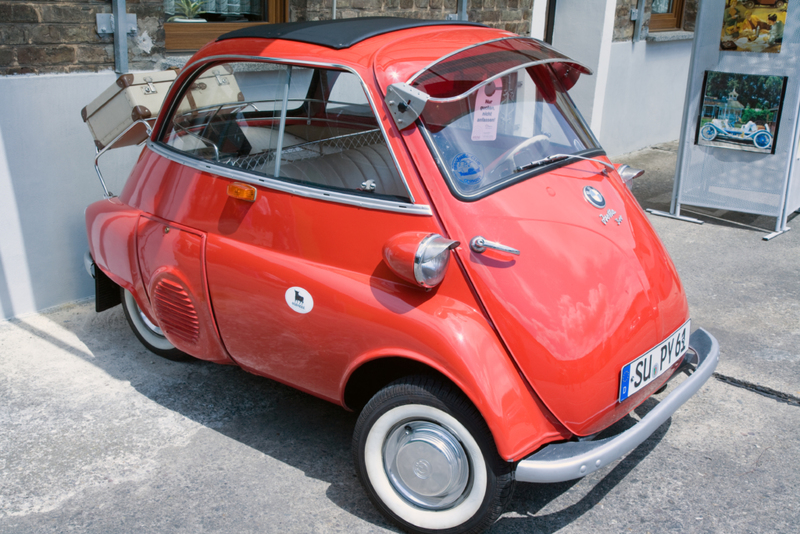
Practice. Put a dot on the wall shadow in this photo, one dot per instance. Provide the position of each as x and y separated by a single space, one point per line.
6 305
49 154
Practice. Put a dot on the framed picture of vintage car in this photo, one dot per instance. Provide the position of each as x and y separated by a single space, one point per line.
740 111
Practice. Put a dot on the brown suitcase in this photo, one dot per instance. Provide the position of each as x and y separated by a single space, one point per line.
133 97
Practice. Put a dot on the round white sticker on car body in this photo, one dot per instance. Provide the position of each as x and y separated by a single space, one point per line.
299 299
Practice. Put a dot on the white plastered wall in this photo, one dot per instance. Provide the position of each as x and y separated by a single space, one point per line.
645 93
635 96
539 19
47 179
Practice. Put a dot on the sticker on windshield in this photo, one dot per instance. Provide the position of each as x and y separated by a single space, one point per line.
487 111
467 169
299 299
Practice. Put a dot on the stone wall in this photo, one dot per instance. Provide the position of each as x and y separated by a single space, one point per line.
624 26
56 36
59 36
511 15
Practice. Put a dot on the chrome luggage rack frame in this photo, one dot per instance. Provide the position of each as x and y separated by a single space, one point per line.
99 152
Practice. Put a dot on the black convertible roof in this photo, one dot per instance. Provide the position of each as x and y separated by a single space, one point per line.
339 33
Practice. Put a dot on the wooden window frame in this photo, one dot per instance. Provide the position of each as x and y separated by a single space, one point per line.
190 37
665 22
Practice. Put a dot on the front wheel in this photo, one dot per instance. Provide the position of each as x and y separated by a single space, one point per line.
708 132
148 333
428 461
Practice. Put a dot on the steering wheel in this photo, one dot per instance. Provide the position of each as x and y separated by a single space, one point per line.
509 155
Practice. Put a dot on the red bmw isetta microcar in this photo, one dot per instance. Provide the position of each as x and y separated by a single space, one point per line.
410 219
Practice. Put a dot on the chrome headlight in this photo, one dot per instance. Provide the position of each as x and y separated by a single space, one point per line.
419 257
432 259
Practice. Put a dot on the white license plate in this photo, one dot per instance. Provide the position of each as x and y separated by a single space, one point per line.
654 362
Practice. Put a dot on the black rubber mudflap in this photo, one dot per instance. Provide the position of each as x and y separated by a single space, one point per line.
106 292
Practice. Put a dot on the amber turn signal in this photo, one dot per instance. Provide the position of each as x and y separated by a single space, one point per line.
242 191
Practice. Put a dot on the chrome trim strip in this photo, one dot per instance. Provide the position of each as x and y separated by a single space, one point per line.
487 81
282 124
283 61
451 54
287 187
567 461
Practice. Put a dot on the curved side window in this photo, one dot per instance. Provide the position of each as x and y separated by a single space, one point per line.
310 126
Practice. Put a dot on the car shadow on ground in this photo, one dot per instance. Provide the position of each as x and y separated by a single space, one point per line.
531 508
295 428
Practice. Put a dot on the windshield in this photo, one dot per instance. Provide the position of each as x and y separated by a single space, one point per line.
490 136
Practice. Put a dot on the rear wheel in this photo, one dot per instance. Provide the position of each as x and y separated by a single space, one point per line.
428 461
762 139
148 333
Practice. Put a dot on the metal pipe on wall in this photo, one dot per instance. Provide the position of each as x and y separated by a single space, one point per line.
462 9
120 36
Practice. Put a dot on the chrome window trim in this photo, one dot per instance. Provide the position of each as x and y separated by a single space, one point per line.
487 81
451 54
313 64
287 187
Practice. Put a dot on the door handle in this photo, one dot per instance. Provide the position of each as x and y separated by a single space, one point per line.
479 244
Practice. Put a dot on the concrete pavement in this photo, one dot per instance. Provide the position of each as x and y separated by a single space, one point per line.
97 435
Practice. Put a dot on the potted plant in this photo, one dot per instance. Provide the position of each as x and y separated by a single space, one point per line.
187 11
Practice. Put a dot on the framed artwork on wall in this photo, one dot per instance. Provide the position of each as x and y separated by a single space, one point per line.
740 111
753 25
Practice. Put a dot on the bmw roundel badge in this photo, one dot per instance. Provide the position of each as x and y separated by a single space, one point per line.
594 197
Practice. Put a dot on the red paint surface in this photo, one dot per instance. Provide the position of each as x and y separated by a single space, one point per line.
582 300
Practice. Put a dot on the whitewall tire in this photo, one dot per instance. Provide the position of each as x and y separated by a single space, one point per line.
427 459
148 333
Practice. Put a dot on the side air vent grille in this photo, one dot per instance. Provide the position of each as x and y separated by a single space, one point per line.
175 312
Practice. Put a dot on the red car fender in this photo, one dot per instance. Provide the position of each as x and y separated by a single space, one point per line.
111 227
517 419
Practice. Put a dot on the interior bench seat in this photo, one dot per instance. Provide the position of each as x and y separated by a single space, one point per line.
349 169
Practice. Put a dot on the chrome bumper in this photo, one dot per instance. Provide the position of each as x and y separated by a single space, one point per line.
88 263
571 460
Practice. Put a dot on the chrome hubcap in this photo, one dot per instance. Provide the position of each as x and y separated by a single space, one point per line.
426 464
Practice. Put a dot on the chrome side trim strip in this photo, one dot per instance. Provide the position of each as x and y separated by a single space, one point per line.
567 461
284 61
287 187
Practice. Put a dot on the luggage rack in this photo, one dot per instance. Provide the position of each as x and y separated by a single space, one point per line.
99 152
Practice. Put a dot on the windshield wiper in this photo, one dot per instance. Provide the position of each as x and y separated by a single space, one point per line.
543 161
